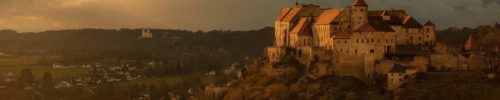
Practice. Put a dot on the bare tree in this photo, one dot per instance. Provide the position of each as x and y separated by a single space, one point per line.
492 59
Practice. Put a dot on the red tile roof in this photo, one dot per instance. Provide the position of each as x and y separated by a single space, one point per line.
327 17
303 27
291 14
469 44
410 22
375 25
396 13
341 35
283 13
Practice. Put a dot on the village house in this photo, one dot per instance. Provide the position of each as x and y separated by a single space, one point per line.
8 77
398 75
63 84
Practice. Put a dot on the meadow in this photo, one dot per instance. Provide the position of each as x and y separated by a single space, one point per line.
15 64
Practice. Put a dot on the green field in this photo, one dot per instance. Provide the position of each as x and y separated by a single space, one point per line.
15 64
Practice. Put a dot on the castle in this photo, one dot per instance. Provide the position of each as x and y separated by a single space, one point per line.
351 41
146 33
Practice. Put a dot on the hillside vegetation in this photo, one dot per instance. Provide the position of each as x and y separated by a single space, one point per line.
483 34
201 50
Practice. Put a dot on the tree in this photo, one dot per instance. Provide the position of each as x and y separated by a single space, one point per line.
47 79
493 58
48 87
26 77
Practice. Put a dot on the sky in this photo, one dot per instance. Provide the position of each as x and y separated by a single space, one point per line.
42 15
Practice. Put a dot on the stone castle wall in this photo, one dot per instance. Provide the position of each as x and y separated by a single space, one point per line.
349 66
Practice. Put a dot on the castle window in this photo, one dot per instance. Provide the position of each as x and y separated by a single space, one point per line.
357 41
361 9
372 41
419 38
345 41
356 51
372 51
362 40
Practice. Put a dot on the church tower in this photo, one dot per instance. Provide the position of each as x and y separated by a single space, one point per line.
359 14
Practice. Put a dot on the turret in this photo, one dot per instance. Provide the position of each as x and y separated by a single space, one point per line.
359 14
429 27
297 3
430 31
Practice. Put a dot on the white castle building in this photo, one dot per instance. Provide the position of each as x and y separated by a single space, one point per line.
146 33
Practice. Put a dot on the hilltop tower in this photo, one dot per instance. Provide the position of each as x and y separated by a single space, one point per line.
146 33
359 15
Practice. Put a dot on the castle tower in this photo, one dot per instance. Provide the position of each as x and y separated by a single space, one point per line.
359 14
430 31
470 44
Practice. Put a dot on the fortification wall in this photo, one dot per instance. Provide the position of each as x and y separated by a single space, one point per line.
421 62
384 66
456 62
349 66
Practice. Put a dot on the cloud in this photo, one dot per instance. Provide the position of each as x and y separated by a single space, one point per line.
73 3
217 14
29 22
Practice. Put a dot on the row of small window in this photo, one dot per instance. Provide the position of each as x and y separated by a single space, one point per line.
419 38
336 27
368 41
356 51
281 25
304 43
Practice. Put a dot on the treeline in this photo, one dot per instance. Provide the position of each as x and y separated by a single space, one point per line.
457 36
198 49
